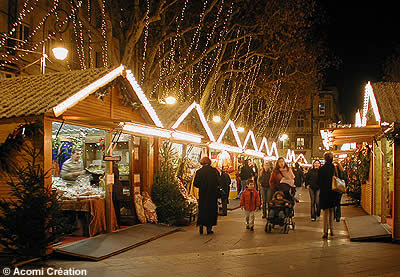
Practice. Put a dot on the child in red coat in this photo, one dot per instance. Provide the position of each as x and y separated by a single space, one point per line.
250 202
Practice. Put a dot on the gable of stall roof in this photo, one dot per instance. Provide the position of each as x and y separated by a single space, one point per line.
97 98
96 95
185 121
228 139
387 98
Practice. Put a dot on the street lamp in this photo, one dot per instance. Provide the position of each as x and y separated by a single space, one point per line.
170 100
60 53
216 118
60 27
283 137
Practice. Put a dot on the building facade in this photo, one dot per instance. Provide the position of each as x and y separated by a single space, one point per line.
318 111
27 30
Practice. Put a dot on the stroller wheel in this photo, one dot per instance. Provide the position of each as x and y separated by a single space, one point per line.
286 229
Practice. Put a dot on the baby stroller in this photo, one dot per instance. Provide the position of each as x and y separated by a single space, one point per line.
282 216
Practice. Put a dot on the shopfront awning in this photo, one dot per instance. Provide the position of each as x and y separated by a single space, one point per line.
340 136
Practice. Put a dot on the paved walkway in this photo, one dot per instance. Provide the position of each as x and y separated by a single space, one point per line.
234 251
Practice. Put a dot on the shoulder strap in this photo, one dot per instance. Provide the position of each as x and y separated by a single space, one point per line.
335 173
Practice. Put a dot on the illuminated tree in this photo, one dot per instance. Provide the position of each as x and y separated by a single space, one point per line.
246 60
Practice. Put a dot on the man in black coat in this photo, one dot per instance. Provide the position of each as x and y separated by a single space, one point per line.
206 180
225 182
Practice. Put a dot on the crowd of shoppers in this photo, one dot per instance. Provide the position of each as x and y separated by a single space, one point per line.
258 187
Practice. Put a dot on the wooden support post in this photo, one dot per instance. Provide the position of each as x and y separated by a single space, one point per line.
384 183
47 150
108 188
396 192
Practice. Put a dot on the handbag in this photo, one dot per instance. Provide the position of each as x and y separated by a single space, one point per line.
338 184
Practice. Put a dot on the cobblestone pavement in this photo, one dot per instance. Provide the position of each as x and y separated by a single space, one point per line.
234 251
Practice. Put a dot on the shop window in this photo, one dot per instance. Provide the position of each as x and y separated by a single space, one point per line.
300 143
90 143
321 107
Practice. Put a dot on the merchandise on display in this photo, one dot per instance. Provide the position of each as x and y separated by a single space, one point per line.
80 189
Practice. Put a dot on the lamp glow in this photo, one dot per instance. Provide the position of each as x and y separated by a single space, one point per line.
284 137
170 100
60 53
217 118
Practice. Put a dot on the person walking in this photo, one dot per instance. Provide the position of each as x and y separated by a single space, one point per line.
250 202
299 175
207 181
254 173
282 178
246 173
327 196
225 182
313 189
265 189
341 175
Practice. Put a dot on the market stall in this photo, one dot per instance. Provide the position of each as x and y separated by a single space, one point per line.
377 132
86 110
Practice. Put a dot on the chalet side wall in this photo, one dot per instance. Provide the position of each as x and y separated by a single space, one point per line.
7 126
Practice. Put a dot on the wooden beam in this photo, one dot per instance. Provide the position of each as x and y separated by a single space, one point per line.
47 151
396 193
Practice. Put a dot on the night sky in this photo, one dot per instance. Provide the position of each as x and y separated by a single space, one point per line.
362 36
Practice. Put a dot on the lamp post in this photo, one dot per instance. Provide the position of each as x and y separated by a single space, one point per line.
60 53
283 138
60 27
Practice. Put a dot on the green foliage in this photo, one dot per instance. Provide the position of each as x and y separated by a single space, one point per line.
363 158
14 142
171 206
32 219
357 169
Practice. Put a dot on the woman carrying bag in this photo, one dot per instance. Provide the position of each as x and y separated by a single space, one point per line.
327 197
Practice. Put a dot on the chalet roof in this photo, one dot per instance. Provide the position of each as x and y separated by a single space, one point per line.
169 114
387 96
38 94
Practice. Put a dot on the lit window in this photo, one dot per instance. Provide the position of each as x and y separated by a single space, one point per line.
300 143
321 108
